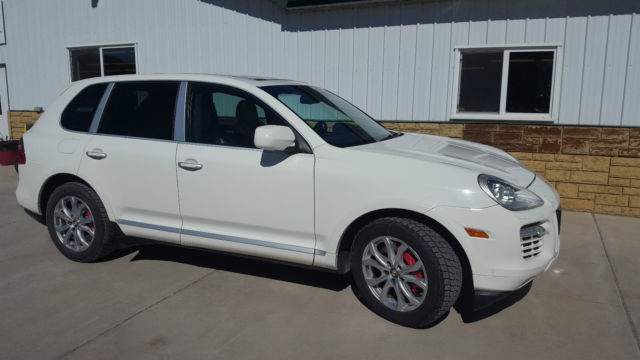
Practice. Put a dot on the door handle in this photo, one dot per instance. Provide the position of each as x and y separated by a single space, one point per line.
190 165
96 154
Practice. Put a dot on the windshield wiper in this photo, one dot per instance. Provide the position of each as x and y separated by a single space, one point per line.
392 135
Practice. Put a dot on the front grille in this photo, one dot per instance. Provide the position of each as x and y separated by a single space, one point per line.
559 216
531 240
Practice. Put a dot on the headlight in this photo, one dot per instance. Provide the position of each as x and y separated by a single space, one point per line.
508 195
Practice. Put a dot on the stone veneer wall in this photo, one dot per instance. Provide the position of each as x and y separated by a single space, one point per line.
593 168
19 120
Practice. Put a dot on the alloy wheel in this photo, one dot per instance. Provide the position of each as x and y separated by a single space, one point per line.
74 224
394 273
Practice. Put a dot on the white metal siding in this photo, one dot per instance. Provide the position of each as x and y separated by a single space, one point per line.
393 60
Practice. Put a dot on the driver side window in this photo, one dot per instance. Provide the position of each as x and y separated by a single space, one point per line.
220 115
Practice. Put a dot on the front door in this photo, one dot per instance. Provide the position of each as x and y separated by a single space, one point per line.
234 197
4 104
130 161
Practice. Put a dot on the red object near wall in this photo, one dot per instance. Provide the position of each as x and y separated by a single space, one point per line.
8 157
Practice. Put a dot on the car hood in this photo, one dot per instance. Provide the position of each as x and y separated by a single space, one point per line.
473 156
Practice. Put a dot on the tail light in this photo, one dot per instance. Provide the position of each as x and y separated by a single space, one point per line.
22 157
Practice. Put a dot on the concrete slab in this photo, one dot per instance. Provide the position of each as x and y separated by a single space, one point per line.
230 315
581 271
166 302
621 236
50 305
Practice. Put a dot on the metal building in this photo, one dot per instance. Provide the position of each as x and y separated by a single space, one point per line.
398 60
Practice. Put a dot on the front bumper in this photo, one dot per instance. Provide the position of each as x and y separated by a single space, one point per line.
499 263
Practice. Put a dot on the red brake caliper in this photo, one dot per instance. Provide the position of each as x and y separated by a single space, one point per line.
411 261
88 216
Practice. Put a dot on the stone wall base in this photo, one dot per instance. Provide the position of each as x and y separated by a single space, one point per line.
21 121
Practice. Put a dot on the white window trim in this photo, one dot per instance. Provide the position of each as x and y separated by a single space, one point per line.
551 116
100 48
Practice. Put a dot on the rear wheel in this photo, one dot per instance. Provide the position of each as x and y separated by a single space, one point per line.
405 272
78 223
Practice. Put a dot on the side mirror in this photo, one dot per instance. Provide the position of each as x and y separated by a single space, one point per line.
274 137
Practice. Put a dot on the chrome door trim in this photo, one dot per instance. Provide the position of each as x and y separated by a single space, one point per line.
235 239
180 116
148 226
98 115
269 244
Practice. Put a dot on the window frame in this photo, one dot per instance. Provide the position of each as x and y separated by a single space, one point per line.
178 111
502 114
302 145
98 112
100 47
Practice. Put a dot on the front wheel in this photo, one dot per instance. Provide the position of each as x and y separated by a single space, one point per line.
405 271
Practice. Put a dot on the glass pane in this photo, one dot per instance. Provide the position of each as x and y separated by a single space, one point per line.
85 63
119 61
480 82
223 116
77 116
141 109
529 89
337 121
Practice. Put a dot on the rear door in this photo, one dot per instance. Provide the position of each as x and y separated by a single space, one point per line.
130 161
233 196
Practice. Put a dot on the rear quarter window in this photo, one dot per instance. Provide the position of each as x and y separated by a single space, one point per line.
77 116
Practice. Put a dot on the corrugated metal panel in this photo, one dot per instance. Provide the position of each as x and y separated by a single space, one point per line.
615 69
394 60
631 104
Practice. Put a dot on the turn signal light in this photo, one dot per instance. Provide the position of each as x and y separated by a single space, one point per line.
476 233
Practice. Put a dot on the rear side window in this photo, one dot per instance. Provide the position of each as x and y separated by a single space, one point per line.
140 109
77 116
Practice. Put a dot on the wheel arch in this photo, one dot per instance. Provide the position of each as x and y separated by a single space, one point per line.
346 241
55 181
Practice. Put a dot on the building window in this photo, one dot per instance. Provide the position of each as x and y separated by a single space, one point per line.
88 62
513 84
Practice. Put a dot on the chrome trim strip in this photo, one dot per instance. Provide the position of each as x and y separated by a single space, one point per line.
268 244
148 226
180 116
103 102
300 249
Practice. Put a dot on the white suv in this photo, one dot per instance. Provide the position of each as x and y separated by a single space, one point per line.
290 172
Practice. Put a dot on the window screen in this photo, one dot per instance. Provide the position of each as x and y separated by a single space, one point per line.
98 61
480 82
223 116
85 63
77 116
512 82
141 109
529 86
119 61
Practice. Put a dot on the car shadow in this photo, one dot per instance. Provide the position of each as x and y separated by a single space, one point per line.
481 306
237 264
470 308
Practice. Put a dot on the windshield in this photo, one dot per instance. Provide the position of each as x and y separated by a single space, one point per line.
337 121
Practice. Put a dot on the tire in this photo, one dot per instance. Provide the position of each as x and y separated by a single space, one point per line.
93 216
434 287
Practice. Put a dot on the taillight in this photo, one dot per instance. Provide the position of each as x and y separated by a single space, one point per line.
22 157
